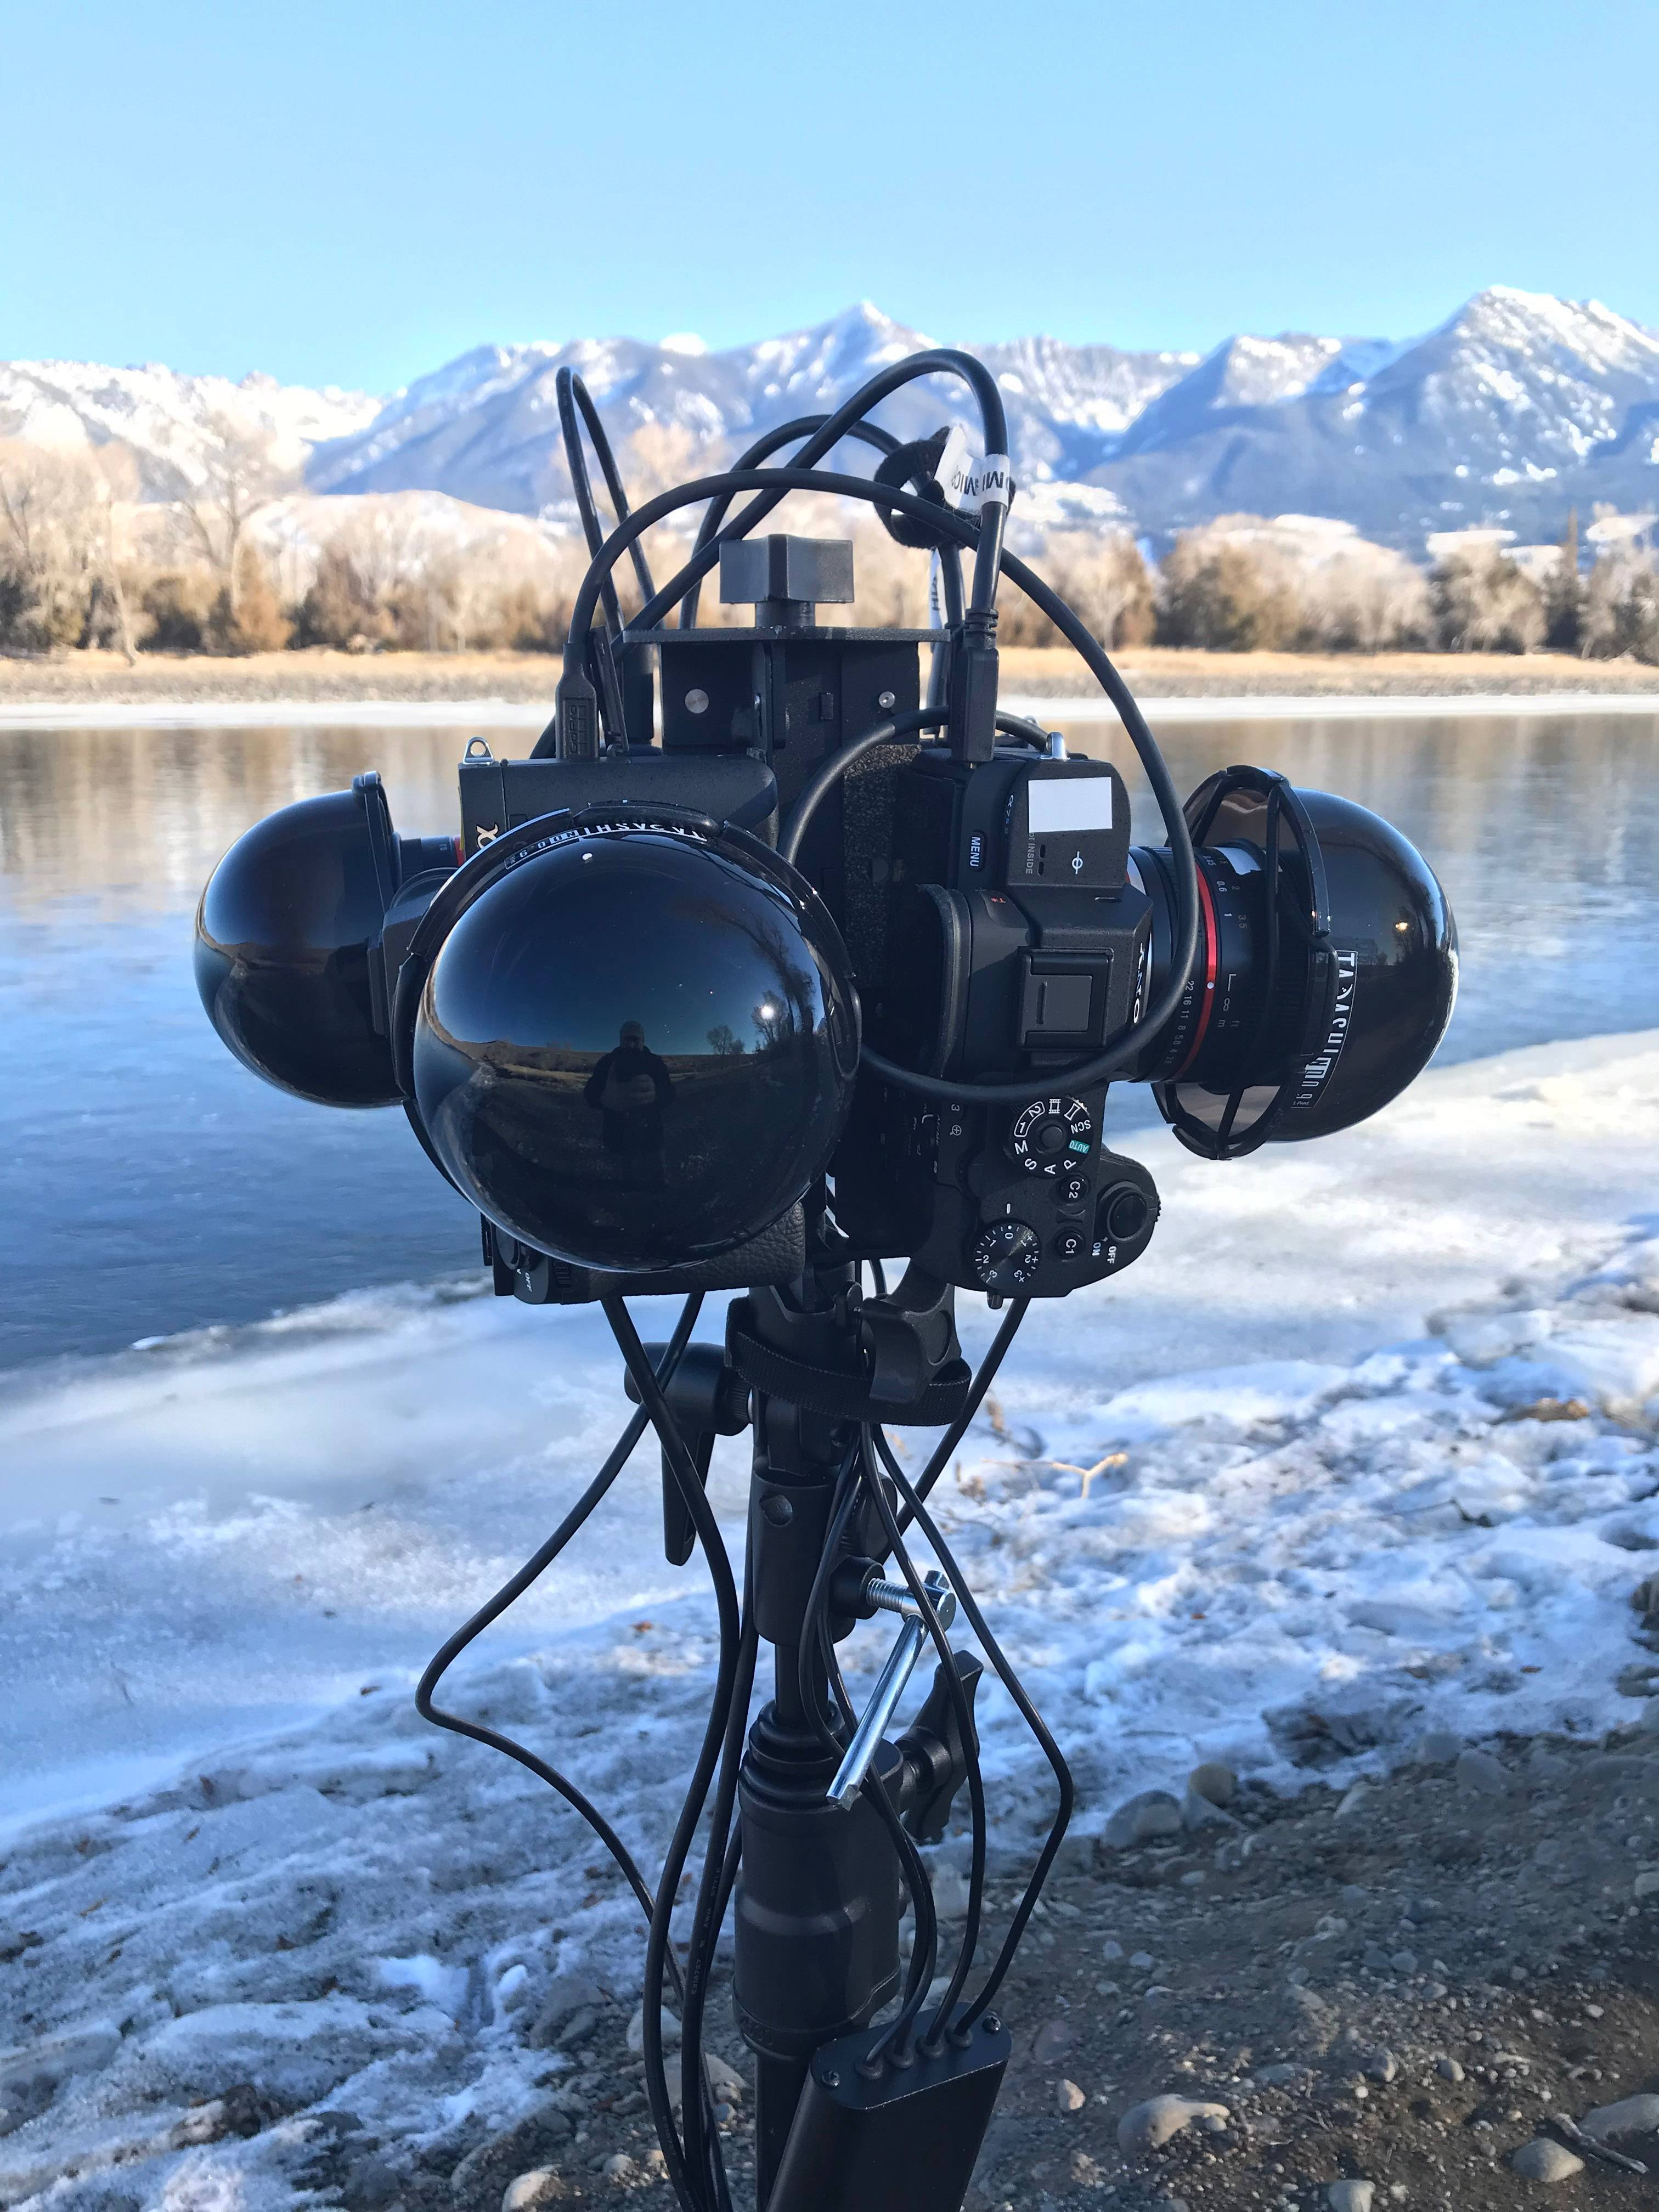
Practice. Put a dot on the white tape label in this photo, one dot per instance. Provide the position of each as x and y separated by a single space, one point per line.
1056 803
969 484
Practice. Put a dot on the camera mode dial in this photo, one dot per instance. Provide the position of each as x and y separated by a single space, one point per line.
1007 1255
1052 1137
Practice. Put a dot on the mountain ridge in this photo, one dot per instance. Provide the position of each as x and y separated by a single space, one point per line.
1516 407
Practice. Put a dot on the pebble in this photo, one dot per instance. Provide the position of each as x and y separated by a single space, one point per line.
541 2185
1355 1800
1214 1782
1277 2076
1111 1950
949 1888
1631 2116
725 2084
1479 1775
1198 1812
1154 1813
1542 2160
670 2031
1449 2070
1403 1962
1351 2195
1149 2126
1053 2037
1382 2065
1647 1883
618 2166
568 2015
1141 1961
1069 2098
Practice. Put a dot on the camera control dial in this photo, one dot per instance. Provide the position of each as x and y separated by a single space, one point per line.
1052 1137
1007 1255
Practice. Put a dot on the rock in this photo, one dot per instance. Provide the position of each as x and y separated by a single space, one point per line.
1438 1747
1278 2077
1053 2037
1351 2195
726 2085
1215 1783
1478 1774
1069 2098
1111 1950
24 2098
1631 2116
541 2185
568 2015
1646 1883
618 2166
1160 2119
1354 1801
671 2032
1403 1962
1541 2160
1141 1961
1382 2066
1198 1812
1449 2070
484 2172
1154 1813
371 2185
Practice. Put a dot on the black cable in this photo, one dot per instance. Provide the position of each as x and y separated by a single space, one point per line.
1033 1720
938 360
932 2040
657 1945
834 765
511 1590
1121 1050
869 434
571 393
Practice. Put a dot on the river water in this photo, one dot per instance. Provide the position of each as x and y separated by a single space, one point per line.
148 1184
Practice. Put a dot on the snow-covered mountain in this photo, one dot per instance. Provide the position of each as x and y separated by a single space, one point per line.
165 419
1518 407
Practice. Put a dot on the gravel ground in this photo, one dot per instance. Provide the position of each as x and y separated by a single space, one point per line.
103 679
1397 1988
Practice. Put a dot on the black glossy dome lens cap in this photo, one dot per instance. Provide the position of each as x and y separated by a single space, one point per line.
635 1047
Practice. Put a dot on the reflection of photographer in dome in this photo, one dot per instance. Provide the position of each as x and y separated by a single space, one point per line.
631 1086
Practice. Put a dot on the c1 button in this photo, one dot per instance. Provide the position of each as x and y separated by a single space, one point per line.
1070 1244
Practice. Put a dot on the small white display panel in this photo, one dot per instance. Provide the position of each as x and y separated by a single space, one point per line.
1059 803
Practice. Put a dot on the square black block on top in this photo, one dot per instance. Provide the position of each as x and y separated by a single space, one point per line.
813 571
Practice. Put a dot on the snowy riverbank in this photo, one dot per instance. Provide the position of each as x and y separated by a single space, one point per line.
1289 1494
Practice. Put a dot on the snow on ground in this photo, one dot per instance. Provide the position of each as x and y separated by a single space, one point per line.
1283 1494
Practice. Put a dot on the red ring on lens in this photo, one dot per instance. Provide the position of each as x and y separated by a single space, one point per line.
1212 962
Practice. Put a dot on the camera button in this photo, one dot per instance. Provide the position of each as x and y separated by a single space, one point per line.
1070 1244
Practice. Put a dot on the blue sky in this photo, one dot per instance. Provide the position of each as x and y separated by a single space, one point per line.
356 192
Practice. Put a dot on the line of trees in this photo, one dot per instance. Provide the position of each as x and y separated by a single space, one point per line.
227 570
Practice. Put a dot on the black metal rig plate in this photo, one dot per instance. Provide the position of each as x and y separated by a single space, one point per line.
906 2141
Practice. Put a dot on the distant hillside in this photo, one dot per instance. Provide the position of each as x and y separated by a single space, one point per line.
1518 407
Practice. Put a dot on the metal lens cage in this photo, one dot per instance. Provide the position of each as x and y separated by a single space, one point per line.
1304 909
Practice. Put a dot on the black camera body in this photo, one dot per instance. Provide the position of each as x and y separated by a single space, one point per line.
988 912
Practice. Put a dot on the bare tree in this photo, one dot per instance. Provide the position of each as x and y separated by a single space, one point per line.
46 503
240 476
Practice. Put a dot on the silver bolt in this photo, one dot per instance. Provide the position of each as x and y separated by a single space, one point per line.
697 703
886 700
895 1598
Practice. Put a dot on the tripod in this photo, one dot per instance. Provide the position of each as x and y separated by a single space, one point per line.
814 1816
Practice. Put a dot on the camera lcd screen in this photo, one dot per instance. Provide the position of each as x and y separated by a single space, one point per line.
1059 803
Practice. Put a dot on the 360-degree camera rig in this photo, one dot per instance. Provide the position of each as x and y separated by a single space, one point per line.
773 966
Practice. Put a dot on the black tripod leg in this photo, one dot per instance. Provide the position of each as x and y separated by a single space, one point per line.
778 2083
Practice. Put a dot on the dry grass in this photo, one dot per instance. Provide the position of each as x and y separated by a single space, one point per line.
1158 672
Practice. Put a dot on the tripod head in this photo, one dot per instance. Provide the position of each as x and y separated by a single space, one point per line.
775 962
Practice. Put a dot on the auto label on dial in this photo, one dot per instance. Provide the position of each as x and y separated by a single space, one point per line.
1007 1255
1052 1136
